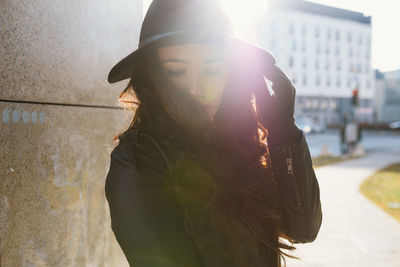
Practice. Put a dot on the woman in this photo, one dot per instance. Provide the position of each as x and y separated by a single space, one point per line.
212 170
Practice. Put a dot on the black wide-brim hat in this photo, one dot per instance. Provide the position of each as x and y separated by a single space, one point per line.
184 21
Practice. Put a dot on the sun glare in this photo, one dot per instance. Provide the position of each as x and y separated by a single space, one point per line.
243 13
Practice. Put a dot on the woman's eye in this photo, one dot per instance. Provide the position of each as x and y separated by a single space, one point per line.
175 73
214 69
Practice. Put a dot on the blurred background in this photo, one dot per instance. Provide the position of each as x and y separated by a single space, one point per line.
59 116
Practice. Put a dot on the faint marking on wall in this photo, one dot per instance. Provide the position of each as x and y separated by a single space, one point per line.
6 116
16 115
34 117
42 117
26 116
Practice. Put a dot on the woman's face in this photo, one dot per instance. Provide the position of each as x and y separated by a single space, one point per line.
198 69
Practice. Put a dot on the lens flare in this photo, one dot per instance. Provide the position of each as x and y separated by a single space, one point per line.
243 14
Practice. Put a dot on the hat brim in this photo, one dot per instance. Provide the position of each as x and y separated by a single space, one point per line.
128 65
124 68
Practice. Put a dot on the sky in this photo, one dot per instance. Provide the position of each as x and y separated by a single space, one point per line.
385 23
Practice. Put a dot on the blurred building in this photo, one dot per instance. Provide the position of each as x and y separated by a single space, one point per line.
326 51
387 100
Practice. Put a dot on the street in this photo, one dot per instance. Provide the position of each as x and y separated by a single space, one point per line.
372 141
354 232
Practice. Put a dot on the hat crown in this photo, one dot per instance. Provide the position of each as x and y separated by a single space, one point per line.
183 21
170 16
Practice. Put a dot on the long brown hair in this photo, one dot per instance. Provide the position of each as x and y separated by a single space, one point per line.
234 180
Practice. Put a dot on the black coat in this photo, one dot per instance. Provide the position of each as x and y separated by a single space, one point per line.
148 224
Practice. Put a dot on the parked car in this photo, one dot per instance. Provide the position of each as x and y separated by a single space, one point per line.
394 125
309 125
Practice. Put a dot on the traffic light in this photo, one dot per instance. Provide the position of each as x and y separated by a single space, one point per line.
354 98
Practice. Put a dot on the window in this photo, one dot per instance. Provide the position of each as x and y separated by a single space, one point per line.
327 65
316 63
316 32
315 103
338 82
304 62
273 26
303 46
360 39
291 28
349 37
308 103
291 62
327 49
303 29
328 81
359 68
318 48
324 104
338 66
350 51
294 45
332 104
318 80
337 35
337 50
304 80
328 34
298 102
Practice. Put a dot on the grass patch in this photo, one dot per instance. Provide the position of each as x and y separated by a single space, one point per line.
383 188
320 161
324 160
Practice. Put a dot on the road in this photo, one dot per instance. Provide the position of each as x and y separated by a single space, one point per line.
372 141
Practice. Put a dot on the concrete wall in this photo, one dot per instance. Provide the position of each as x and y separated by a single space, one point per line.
58 117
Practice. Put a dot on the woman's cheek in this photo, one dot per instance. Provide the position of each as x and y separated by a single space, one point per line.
213 91
210 94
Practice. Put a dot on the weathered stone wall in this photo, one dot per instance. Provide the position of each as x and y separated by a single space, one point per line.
56 129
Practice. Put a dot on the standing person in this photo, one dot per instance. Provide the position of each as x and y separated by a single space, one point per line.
212 170
343 143
352 136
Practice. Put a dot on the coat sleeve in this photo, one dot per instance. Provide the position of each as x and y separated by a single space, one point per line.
299 190
149 235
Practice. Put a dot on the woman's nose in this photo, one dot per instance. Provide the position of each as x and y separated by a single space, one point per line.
195 85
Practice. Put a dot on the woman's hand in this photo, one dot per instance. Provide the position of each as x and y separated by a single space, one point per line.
277 109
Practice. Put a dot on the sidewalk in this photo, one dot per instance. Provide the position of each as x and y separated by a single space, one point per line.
354 232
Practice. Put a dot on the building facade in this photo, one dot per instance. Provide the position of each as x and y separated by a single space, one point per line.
387 100
326 52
